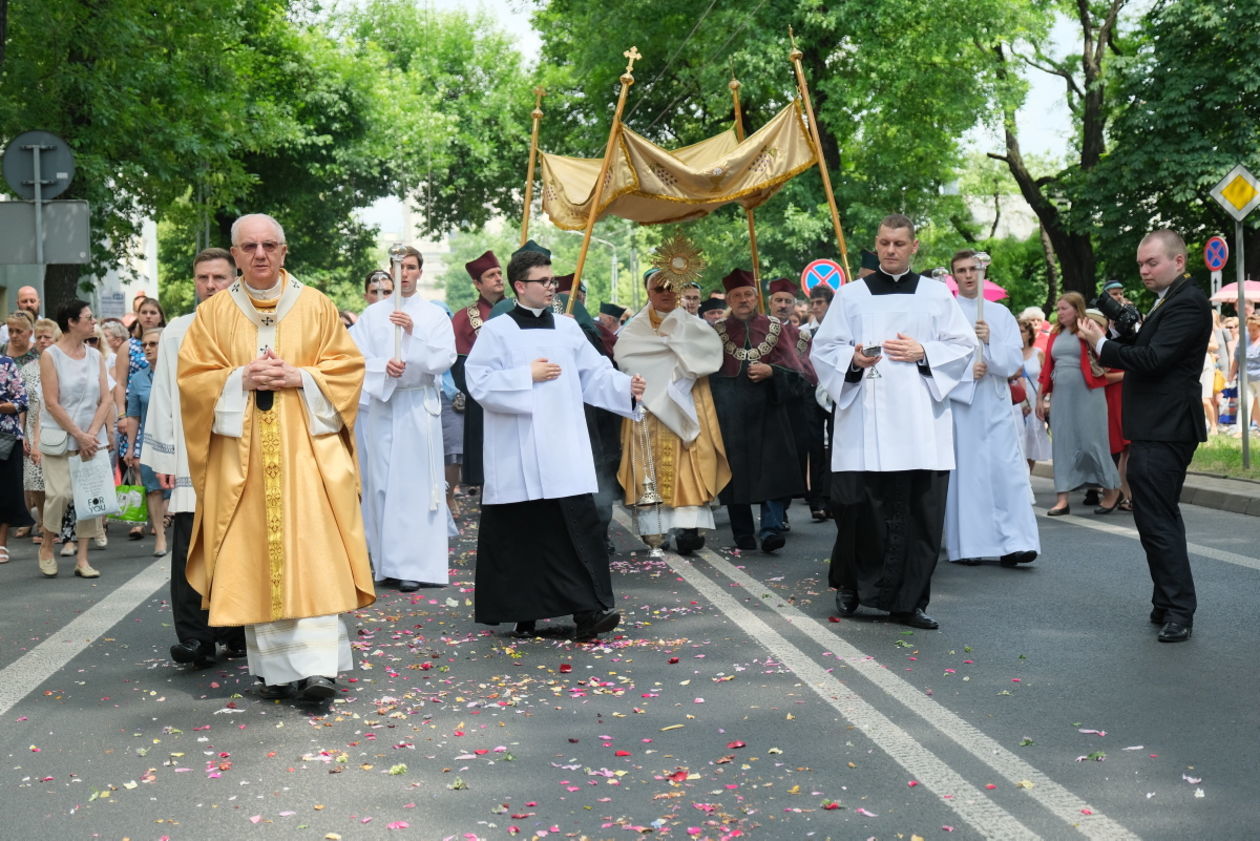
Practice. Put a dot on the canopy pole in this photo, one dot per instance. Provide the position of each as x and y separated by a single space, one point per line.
795 57
752 225
537 114
627 80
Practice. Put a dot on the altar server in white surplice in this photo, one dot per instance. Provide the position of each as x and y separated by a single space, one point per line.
404 503
540 547
988 513
893 445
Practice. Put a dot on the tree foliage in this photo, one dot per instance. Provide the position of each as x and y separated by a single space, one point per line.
891 86
1190 112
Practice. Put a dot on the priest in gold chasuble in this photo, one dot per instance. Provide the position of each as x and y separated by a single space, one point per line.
269 386
675 352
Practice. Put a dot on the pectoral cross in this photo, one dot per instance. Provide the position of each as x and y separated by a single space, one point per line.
267 320
634 55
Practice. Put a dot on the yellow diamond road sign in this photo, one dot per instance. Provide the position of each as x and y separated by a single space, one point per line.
1238 192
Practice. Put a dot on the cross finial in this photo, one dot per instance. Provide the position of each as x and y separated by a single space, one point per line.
633 55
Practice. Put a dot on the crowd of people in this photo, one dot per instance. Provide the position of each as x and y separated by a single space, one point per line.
304 456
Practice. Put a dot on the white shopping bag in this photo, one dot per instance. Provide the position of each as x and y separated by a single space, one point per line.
93 482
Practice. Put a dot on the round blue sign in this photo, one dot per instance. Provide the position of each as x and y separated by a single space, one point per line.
1215 254
826 272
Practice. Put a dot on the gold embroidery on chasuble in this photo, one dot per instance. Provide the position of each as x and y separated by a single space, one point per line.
269 446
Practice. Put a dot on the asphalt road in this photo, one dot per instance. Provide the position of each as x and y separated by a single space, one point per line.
730 704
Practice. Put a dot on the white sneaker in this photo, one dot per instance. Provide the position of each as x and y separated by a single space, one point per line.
68 549
101 542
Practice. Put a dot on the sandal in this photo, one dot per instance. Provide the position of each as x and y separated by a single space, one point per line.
4 554
1126 504
136 533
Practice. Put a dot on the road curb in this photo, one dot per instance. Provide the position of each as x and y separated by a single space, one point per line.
1236 495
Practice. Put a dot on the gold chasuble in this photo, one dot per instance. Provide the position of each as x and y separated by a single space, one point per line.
278 532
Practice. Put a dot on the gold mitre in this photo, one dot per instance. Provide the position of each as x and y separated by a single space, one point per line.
680 262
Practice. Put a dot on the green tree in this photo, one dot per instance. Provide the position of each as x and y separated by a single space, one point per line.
1191 96
142 91
895 86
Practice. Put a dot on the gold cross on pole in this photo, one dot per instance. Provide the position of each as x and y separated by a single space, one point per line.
633 55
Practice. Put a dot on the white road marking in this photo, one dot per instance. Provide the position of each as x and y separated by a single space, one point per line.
25 674
971 804
1053 797
1132 533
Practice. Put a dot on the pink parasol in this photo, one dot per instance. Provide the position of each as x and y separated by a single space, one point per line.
992 292
1229 293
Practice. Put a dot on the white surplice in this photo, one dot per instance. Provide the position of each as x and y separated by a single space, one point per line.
901 420
404 500
988 513
536 444
162 446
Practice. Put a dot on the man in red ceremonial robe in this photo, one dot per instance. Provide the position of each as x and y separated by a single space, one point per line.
760 380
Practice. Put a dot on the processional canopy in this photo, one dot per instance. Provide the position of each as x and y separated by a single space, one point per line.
649 184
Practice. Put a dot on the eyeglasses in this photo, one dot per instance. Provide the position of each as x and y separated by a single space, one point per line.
148 344
545 281
269 246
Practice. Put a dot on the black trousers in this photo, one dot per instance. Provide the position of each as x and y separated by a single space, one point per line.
888 535
192 624
1157 470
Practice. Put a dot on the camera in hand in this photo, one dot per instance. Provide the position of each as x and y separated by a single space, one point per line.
1124 318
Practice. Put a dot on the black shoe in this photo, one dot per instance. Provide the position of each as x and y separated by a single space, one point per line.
818 514
1103 509
523 630
232 651
1091 497
317 688
918 619
406 585
772 542
1014 558
846 602
688 541
1059 512
746 543
196 653
272 693
593 623
969 562
1157 616
1174 632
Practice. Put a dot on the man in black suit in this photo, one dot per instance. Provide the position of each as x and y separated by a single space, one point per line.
1163 417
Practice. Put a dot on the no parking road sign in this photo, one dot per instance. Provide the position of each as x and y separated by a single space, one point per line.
826 272
1216 254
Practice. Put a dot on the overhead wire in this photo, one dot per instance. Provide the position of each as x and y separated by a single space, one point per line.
710 60
670 61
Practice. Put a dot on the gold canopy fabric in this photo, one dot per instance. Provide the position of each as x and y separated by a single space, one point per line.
650 185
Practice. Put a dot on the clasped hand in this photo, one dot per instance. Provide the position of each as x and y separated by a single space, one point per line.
904 349
758 371
270 373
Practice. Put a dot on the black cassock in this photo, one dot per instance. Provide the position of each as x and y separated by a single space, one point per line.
754 417
471 470
889 525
